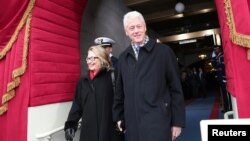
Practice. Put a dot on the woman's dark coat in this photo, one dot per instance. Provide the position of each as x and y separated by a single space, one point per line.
149 95
93 103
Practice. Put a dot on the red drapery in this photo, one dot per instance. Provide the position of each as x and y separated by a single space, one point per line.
234 18
52 65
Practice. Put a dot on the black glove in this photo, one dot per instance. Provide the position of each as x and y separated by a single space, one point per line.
69 134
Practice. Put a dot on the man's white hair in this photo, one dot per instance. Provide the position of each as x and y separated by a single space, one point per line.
132 15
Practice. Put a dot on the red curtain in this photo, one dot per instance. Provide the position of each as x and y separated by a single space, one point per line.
11 14
48 72
234 18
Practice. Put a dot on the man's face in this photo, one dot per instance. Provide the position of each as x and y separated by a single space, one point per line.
108 49
136 30
217 51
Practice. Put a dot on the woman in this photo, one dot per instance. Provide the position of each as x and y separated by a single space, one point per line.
93 101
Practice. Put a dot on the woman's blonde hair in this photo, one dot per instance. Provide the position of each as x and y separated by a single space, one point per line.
100 52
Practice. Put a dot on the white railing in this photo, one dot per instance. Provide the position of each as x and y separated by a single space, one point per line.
47 136
229 115
234 113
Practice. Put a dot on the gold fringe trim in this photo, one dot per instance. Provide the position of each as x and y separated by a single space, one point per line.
13 38
3 108
17 73
237 38
20 71
248 54
8 96
13 84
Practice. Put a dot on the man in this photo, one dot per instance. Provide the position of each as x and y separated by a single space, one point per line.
149 100
218 61
203 82
194 79
107 44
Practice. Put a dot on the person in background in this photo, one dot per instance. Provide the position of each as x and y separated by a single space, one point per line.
107 44
194 79
203 83
218 61
93 101
186 86
149 102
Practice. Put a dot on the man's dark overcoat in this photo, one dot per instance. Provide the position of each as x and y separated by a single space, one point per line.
93 103
149 95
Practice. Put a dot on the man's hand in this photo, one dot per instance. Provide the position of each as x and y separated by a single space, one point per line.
69 134
176 131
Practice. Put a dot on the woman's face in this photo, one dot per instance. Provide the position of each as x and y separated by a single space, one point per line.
94 63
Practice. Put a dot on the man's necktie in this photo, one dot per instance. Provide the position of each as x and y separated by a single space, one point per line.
137 49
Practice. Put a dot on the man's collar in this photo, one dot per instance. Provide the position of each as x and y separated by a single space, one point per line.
146 39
